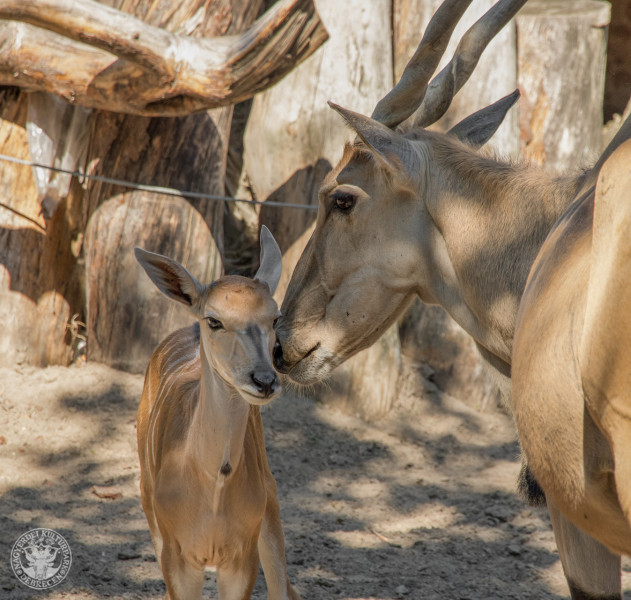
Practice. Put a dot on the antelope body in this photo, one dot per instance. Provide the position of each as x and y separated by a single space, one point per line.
572 377
206 487
407 212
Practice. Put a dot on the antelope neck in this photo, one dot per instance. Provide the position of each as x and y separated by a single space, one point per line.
220 423
492 219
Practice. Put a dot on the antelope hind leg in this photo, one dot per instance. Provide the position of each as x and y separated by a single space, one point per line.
592 572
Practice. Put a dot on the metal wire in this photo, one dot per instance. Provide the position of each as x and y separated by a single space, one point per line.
155 188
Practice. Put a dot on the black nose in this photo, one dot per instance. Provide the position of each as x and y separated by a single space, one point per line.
279 360
265 382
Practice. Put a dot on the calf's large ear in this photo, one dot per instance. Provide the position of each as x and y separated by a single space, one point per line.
170 277
271 264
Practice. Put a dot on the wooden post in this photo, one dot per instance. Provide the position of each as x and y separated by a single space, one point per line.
561 66
292 140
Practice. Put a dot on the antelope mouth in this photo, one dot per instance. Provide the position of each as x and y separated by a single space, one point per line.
314 366
252 396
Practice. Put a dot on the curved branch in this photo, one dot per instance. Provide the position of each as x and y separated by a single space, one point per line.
93 55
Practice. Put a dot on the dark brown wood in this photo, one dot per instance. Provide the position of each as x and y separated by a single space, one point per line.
97 56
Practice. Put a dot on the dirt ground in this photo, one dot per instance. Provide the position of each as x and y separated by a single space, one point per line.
418 505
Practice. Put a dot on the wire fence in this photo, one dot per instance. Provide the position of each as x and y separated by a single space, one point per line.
155 189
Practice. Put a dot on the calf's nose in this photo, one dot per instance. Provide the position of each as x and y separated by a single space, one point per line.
266 382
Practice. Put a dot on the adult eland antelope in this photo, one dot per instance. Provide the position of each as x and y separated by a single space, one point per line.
409 212
572 377
207 490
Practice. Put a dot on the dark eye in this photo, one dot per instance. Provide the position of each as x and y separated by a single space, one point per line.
343 201
214 323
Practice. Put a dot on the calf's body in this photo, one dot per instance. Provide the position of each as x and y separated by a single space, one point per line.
206 487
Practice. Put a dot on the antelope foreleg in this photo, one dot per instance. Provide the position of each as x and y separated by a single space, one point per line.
271 547
592 572
183 580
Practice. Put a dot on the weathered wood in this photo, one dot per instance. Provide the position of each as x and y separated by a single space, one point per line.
38 293
98 56
494 76
127 316
293 137
185 152
561 64
446 355
292 140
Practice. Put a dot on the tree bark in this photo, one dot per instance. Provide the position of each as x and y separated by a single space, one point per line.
292 141
561 58
97 56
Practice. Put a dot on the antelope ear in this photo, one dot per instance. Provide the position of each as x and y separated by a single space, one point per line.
478 128
384 144
170 277
271 264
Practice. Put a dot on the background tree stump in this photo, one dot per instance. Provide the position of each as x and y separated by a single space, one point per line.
294 138
561 65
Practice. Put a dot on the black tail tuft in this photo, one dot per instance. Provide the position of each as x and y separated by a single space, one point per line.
528 488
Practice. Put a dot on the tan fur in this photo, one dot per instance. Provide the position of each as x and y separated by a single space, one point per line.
451 226
571 375
206 487
436 219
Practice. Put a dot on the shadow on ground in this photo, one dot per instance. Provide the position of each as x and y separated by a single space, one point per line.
404 508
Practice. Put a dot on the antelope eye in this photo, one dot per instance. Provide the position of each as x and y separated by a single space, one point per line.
214 323
343 201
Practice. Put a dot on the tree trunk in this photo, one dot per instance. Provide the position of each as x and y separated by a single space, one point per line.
292 141
561 59
126 315
39 291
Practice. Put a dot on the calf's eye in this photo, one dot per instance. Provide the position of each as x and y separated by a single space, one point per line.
214 323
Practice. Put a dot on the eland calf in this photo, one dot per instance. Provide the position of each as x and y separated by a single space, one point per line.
207 490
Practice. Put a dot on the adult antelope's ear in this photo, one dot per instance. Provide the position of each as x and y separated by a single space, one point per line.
170 277
385 144
271 264
477 129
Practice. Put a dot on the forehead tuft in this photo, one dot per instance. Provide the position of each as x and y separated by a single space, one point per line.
236 298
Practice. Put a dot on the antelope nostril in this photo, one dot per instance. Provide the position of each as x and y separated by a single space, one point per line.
279 359
265 382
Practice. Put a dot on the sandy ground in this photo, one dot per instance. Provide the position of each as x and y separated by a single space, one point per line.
418 505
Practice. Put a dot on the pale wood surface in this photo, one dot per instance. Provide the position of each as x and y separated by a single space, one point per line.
561 62
143 61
